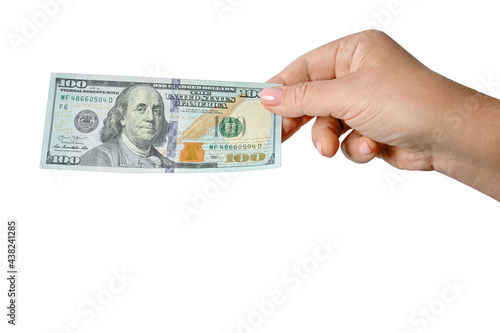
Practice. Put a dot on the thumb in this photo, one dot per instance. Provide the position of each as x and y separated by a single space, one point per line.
312 98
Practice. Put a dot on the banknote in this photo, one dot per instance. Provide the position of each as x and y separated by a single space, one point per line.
134 124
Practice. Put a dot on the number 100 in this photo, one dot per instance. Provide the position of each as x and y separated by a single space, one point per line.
240 158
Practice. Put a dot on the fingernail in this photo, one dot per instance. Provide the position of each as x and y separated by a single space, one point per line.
364 149
319 146
271 96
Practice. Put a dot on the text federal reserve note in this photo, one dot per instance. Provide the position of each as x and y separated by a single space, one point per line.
132 124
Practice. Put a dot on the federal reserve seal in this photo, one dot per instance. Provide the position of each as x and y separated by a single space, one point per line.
86 121
230 127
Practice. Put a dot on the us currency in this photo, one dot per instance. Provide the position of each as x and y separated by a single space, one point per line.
133 124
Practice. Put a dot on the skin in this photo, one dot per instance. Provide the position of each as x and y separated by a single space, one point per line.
143 118
394 107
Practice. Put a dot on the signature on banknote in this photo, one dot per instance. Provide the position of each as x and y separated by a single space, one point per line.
71 139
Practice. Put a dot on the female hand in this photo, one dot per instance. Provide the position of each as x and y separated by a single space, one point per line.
397 108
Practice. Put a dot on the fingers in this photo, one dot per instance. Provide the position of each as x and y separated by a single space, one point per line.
359 148
336 77
313 98
317 85
332 60
291 125
309 82
325 135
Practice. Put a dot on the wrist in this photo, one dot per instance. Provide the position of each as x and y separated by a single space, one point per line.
467 142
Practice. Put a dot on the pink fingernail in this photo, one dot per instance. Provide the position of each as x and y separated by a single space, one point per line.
271 96
319 147
364 149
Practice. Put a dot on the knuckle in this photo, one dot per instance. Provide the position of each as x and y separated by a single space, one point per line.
375 34
301 95
372 38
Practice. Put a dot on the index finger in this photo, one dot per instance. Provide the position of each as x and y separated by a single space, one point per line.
327 62
289 125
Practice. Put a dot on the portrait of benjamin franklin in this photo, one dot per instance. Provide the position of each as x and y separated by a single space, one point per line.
131 130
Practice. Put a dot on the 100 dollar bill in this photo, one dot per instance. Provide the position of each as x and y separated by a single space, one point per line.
132 124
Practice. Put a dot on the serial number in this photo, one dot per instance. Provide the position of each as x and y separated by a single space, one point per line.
90 99
235 146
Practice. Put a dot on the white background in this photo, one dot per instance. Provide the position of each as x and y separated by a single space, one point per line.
402 235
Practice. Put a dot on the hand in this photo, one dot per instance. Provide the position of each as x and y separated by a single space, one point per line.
397 108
